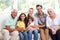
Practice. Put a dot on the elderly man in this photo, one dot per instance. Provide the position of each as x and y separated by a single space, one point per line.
10 32
53 24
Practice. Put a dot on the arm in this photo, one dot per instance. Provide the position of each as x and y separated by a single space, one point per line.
19 29
41 26
49 26
9 29
59 23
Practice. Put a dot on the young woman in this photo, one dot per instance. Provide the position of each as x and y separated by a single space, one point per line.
21 24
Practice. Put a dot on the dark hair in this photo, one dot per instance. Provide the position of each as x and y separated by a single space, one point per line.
38 6
25 20
31 18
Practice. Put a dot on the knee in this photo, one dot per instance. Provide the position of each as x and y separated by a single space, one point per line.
20 34
4 31
46 31
25 33
58 32
35 31
41 30
15 33
30 31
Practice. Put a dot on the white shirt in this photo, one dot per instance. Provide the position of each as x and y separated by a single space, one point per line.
32 24
53 23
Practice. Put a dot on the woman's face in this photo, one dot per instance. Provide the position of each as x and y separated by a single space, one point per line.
31 11
22 17
50 12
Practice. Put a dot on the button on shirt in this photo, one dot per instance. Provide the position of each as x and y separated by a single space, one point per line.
53 23
11 22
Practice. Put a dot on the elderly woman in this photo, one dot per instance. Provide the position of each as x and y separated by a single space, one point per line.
53 24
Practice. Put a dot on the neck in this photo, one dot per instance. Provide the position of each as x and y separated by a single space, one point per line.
41 13
12 16
22 20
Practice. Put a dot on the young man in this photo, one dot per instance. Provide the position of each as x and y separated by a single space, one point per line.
40 21
53 24
10 28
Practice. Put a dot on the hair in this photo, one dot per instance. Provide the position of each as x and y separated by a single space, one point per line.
31 8
31 18
38 6
25 20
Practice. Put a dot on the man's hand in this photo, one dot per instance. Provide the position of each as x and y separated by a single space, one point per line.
9 29
41 26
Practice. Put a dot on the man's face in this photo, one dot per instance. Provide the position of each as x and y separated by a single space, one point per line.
14 13
31 11
39 9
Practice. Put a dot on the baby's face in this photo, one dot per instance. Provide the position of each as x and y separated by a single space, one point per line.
30 21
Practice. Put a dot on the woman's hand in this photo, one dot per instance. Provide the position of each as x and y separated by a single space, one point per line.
19 29
53 31
29 28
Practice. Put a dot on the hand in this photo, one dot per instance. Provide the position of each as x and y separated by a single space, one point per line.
29 28
11 30
41 26
53 31
19 29
57 28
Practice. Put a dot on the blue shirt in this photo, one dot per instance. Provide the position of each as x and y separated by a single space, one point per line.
38 20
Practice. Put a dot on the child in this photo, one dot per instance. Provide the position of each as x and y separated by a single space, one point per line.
21 24
31 25
32 29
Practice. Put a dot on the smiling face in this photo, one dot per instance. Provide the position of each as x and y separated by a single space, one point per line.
51 12
31 11
22 17
14 13
39 8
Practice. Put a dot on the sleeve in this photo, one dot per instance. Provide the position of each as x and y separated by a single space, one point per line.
32 24
47 22
35 21
7 22
59 19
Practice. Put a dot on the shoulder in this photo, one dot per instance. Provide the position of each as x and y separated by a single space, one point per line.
48 18
36 14
45 14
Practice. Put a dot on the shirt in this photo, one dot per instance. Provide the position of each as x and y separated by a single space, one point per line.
32 24
11 22
53 23
21 24
38 20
